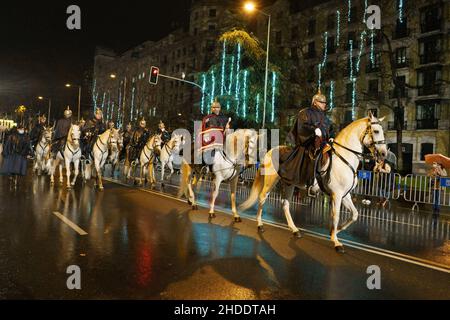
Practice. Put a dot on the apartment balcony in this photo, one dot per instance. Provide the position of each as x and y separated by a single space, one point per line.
430 57
424 124
429 90
393 93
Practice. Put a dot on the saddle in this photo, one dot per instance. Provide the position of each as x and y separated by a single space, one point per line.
323 155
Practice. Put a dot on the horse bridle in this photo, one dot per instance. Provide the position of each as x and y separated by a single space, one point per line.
371 146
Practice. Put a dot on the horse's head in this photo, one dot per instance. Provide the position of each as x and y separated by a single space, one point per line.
155 141
373 137
47 134
251 146
175 142
74 135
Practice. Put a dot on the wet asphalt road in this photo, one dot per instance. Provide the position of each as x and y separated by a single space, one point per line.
141 245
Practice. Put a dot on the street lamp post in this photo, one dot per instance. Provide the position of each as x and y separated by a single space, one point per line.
250 7
68 85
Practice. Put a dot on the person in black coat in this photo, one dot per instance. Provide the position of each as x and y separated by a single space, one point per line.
165 135
92 130
37 130
311 131
15 153
126 140
61 131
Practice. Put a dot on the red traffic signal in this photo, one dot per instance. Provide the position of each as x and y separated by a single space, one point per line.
154 72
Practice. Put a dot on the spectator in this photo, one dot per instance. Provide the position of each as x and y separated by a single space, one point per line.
436 172
383 180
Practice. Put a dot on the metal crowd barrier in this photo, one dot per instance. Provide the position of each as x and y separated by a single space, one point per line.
427 190
376 184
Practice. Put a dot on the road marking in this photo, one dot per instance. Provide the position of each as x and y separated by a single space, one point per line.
352 244
80 231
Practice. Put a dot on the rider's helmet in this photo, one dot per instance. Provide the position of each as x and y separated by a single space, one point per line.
161 125
67 112
42 119
82 122
319 97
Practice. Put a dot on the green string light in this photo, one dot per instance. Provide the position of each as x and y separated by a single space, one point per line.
257 107
244 98
202 106
274 79
222 84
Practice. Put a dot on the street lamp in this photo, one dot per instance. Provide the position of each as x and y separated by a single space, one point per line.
49 107
250 8
68 85
112 76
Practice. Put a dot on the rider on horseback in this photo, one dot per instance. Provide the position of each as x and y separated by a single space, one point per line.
91 130
61 131
165 135
126 140
311 132
213 132
37 130
138 139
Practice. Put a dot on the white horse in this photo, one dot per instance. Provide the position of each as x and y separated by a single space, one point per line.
105 142
147 156
42 152
240 151
166 158
115 146
345 152
71 153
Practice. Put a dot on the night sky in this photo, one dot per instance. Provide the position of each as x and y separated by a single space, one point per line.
38 54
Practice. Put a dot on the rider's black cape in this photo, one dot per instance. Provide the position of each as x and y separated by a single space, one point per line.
297 163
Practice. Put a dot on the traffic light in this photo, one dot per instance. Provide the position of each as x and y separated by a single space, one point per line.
154 72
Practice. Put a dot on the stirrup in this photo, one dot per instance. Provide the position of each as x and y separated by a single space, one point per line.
311 194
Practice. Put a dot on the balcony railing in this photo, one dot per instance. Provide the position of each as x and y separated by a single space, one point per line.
430 57
427 124
430 90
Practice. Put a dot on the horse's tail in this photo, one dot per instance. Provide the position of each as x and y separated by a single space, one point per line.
186 171
257 187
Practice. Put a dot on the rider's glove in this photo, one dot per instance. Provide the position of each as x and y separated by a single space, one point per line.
318 132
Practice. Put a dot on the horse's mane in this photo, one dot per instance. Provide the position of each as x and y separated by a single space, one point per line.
344 132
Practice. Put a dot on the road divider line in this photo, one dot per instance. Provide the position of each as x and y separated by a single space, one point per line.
356 245
80 231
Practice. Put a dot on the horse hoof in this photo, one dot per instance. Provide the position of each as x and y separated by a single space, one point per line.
212 215
195 207
261 229
237 219
297 234
189 202
339 249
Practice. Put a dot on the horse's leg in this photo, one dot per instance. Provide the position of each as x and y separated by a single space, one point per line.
348 203
336 200
233 187
52 172
169 164
98 168
60 173
216 184
141 173
67 162
76 164
191 192
163 164
269 183
287 196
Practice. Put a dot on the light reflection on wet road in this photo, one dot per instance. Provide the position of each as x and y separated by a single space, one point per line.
146 246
